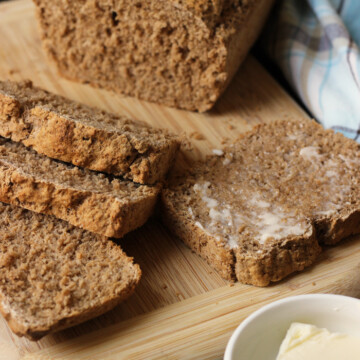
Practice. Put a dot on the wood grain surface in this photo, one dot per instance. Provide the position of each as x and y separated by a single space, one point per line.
182 308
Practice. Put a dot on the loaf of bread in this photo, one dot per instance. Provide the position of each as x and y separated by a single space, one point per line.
102 204
84 136
54 275
259 211
181 53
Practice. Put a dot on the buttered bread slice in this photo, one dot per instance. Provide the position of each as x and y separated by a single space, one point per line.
93 201
260 210
68 131
54 275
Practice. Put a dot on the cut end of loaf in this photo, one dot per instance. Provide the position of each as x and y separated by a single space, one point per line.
54 275
264 205
177 53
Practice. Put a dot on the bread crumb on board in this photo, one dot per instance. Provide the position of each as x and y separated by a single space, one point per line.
13 71
197 136
185 142
225 140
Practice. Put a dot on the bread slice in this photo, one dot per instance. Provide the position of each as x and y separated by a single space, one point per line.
65 130
177 53
54 275
93 201
259 211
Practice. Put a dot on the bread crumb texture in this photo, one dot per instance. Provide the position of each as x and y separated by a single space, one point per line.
54 275
180 53
103 204
259 211
72 132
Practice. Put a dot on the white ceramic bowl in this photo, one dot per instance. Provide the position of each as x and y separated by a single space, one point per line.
259 336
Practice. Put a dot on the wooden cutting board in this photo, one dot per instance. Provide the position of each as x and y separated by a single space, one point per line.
182 308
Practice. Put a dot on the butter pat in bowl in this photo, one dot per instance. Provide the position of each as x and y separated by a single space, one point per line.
262 333
305 341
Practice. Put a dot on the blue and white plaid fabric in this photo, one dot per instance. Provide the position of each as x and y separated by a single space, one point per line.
316 44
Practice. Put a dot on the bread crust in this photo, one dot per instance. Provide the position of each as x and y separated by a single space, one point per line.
293 255
215 253
98 212
35 333
97 148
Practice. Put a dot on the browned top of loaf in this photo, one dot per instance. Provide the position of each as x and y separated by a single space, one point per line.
272 183
85 136
54 275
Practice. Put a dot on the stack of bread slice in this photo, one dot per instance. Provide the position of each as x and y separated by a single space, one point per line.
57 267
72 176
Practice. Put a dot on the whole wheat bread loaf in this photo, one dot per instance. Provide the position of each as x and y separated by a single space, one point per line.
259 211
84 136
54 275
93 201
180 53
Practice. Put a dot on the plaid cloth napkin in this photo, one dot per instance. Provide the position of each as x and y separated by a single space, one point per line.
316 44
